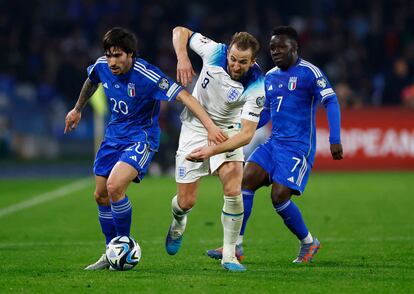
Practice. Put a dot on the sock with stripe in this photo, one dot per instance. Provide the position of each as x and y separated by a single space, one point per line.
122 213
292 217
248 196
107 223
180 217
231 218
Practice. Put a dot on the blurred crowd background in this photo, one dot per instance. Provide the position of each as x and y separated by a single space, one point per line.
365 47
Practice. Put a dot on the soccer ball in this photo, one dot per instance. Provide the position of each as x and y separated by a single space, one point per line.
123 253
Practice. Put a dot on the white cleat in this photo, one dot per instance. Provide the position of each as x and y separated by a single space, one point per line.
101 264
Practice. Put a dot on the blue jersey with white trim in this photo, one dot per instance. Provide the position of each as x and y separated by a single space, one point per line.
134 100
292 97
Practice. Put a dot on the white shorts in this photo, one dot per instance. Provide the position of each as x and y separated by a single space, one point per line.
188 171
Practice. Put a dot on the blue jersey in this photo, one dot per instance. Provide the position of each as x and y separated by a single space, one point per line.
292 97
134 100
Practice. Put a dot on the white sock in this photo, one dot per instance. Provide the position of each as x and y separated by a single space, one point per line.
180 217
308 239
231 218
239 240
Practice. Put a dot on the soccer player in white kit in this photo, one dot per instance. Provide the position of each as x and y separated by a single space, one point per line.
230 87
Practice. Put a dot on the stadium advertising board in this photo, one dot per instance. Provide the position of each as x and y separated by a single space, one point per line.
373 139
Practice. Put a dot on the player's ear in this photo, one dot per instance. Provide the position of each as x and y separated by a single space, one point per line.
253 62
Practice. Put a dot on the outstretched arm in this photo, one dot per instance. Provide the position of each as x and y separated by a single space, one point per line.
334 120
73 117
240 139
185 71
215 134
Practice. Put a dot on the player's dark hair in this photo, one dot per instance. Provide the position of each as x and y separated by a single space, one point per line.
288 31
120 38
244 41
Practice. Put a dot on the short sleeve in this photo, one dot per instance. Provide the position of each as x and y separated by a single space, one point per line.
210 51
162 87
93 70
255 100
322 89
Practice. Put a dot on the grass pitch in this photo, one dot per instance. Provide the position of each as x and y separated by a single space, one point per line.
364 221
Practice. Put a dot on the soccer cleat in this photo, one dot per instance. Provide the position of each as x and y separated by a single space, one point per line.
233 266
218 253
101 264
173 242
307 251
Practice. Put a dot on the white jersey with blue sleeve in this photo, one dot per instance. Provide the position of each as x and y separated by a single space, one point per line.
225 100
293 96
134 100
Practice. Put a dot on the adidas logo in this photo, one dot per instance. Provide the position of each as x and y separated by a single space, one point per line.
134 158
270 88
291 179
105 85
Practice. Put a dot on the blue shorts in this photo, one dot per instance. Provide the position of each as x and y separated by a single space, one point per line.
138 155
284 165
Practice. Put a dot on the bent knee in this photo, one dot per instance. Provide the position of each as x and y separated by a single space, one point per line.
186 202
280 197
101 198
114 189
232 191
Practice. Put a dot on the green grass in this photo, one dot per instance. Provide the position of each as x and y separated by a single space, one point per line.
365 222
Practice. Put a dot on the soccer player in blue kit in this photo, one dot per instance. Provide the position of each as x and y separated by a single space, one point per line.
293 89
134 89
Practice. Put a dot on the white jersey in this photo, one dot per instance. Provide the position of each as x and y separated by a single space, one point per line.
225 100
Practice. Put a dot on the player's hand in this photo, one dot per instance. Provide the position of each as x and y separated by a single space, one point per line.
200 154
72 119
216 136
185 71
336 151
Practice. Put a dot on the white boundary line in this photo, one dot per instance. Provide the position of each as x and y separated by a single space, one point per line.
48 196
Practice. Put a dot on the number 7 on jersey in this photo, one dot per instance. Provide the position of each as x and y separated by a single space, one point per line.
280 98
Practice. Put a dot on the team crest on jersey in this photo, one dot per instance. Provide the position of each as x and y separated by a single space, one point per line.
260 101
321 82
233 95
131 90
292 83
163 84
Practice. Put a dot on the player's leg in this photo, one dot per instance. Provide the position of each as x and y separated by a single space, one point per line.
105 220
121 176
292 217
187 176
104 207
106 158
255 175
181 205
290 176
231 174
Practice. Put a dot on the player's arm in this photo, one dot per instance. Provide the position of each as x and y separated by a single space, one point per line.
73 117
215 134
334 120
242 138
185 71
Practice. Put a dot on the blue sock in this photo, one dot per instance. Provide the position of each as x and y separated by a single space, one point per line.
248 196
122 213
107 223
293 218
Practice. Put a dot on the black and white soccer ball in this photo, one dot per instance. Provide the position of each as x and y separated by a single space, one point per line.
123 253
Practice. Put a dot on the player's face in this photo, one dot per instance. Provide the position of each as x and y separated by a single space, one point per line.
283 51
239 62
119 61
